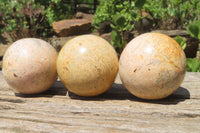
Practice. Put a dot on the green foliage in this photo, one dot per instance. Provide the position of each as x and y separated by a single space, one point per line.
13 16
122 14
156 8
116 39
193 65
119 22
194 30
55 10
36 16
140 3
182 41
119 26
107 10
183 11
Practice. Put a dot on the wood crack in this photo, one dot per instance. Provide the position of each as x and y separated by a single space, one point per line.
11 100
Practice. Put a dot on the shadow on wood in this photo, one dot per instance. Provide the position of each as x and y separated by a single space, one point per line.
116 92
119 92
56 89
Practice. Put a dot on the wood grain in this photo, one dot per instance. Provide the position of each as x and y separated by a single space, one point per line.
173 33
57 110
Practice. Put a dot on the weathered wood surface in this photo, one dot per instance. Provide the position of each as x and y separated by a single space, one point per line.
115 111
173 33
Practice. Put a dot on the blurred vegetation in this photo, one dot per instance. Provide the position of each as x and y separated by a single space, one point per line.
180 12
182 41
31 17
193 64
194 30
37 16
124 15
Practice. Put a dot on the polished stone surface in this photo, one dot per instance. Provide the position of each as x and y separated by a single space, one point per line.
152 66
87 65
29 65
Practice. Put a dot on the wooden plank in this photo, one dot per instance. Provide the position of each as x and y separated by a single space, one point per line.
173 33
57 110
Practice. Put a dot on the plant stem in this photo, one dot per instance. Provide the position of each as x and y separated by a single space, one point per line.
122 37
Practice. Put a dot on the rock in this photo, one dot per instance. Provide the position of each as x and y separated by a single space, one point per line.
71 27
107 37
58 42
81 15
104 27
146 14
145 24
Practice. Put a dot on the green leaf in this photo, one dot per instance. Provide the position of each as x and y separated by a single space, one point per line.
139 3
194 30
198 24
115 35
119 21
133 14
193 65
181 41
171 11
115 38
113 27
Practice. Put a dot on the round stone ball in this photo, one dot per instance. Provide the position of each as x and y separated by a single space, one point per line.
152 66
29 66
87 65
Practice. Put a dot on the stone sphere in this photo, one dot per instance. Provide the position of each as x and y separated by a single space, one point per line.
29 66
152 66
87 65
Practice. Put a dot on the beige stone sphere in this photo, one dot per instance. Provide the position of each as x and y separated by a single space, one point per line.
152 66
87 65
29 66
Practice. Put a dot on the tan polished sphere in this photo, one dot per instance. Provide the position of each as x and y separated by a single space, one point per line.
29 66
152 66
87 65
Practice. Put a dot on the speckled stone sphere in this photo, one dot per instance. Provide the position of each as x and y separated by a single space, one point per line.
152 66
29 66
87 65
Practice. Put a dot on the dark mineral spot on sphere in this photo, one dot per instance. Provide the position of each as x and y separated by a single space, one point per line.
152 66
29 66
88 69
